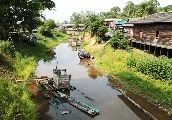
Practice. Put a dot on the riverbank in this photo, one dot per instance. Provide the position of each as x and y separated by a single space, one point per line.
114 63
18 60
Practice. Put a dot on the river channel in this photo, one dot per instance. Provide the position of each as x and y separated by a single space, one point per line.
92 88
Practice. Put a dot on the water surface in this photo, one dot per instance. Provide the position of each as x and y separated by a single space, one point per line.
92 88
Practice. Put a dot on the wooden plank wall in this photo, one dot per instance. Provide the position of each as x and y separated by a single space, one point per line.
149 32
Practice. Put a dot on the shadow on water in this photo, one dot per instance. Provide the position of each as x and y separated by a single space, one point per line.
137 111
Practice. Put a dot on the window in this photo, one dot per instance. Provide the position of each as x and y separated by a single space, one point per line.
141 34
157 34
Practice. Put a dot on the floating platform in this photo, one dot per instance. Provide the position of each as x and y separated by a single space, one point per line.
79 105
61 79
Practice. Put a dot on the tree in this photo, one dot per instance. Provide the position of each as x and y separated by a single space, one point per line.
129 9
167 8
50 24
76 19
119 40
152 6
97 26
46 28
21 14
140 10
115 12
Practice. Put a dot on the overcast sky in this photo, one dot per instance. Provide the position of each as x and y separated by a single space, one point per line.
64 8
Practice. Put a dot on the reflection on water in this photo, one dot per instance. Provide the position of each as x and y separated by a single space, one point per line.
91 88
92 71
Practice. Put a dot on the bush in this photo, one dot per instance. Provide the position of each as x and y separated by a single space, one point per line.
160 68
15 102
45 31
7 47
120 41
57 33
97 27
63 31
46 28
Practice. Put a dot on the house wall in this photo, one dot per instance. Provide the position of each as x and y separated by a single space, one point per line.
128 31
147 32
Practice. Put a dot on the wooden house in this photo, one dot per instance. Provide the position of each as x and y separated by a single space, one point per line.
114 24
153 30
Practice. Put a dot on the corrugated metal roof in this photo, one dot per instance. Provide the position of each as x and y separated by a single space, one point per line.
154 18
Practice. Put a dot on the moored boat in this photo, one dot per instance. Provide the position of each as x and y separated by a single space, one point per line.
79 105
83 54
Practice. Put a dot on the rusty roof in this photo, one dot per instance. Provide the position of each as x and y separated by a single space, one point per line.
165 17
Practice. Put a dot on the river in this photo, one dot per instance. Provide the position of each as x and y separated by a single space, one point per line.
92 87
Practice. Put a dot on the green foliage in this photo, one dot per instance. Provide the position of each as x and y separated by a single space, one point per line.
23 59
21 14
160 68
7 47
154 90
97 26
114 12
167 8
119 40
15 102
80 18
116 63
62 31
140 10
27 56
46 31
46 28
50 24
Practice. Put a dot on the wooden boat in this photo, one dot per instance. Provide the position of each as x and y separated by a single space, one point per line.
79 105
83 54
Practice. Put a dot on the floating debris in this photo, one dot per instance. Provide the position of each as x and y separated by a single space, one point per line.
83 54
63 112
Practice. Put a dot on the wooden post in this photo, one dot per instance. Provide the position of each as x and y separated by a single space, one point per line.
149 47
155 51
167 52
160 51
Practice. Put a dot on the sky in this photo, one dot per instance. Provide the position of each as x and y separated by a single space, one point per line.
65 8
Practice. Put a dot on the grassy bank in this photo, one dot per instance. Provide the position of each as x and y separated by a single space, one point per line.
115 62
22 59
18 60
15 102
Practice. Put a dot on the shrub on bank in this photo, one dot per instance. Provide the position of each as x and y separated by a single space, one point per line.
117 62
15 102
6 47
120 41
46 28
158 67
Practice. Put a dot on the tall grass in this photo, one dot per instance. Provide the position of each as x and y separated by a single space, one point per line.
15 102
117 62
26 56
158 67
